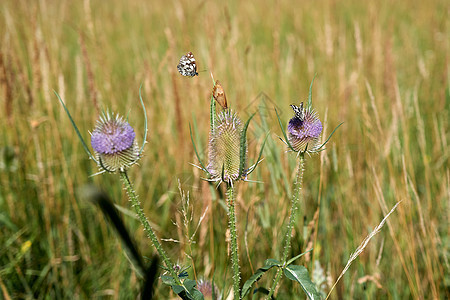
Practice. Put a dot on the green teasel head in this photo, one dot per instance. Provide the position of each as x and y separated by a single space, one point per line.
225 157
228 147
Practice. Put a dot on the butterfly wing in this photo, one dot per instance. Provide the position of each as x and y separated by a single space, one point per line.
298 110
219 95
187 65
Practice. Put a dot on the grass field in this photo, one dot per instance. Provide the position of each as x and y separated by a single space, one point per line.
382 69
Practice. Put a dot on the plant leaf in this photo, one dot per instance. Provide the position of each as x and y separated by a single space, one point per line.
301 275
168 280
286 141
190 285
298 256
259 156
196 153
76 129
213 112
268 264
319 148
145 120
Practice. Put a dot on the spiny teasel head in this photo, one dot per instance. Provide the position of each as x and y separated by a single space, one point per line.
114 144
225 147
304 129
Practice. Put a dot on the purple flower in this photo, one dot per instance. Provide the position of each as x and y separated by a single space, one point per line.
304 129
206 288
113 141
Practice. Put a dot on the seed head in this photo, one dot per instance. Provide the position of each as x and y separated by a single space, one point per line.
114 144
304 129
224 148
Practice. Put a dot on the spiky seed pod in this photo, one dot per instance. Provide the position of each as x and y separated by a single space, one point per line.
114 144
224 148
304 129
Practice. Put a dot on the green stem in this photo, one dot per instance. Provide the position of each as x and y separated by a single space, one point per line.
296 197
147 227
234 246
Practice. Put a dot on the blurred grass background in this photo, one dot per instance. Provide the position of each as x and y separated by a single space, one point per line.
382 68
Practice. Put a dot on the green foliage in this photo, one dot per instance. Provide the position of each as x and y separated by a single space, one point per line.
268 264
301 275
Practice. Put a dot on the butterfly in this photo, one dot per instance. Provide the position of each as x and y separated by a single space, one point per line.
219 95
187 65
299 111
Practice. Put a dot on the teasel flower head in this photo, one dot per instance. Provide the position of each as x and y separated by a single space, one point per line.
225 157
114 143
207 288
304 129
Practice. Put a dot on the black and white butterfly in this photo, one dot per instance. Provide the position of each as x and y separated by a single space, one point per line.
299 111
187 65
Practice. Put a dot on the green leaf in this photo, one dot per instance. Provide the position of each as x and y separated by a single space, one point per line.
286 141
301 275
213 113
177 289
298 256
268 264
190 287
185 291
168 280
196 153
320 147
145 121
189 284
261 290
252 168
76 128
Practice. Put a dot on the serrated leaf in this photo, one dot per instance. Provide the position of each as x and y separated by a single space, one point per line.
301 275
268 264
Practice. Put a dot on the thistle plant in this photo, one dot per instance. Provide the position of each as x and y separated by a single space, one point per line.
227 163
115 151
302 137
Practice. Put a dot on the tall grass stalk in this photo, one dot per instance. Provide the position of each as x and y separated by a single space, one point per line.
297 196
361 247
